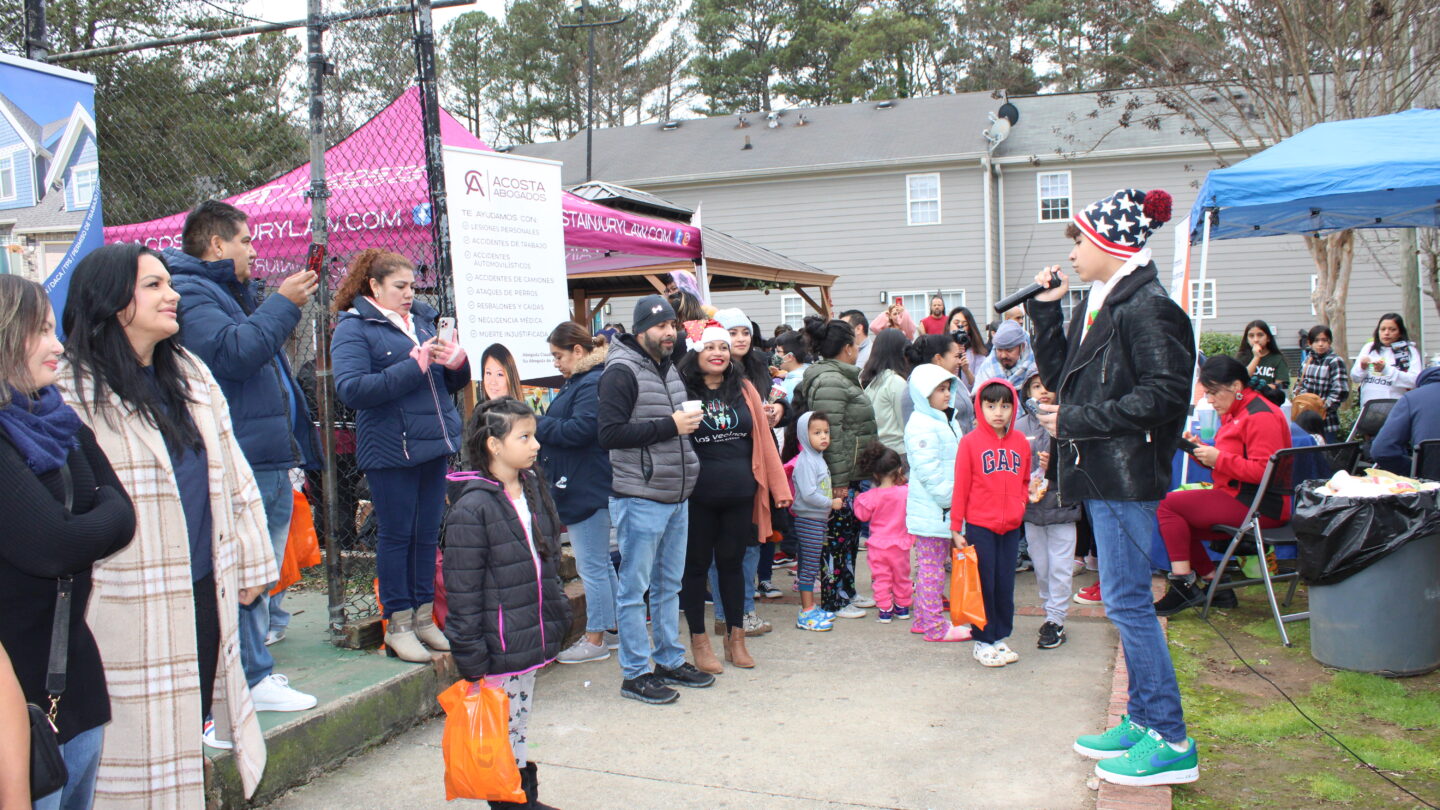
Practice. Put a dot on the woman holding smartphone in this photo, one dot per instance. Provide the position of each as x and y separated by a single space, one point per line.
393 368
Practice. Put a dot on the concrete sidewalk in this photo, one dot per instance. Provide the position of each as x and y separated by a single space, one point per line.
865 716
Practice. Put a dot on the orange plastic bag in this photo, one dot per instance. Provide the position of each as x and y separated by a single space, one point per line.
302 547
967 606
478 761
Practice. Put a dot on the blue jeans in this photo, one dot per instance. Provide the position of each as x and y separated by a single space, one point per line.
265 613
653 539
750 568
409 505
1122 536
82 760
590 540
997 554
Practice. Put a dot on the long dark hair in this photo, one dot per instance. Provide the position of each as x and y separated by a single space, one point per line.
1246 354
793 343
977 337
102 286
828 338
1399 321
689 368
495 418
886 354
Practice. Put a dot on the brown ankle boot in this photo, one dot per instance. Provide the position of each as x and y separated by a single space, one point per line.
735 651
704 654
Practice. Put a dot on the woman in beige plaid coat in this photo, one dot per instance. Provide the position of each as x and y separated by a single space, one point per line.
160 417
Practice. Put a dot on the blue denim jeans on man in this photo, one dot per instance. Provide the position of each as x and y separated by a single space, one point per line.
1122 537
653 537
590 540
82 759
265 614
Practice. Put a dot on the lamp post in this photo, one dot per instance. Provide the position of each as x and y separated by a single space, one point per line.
583 12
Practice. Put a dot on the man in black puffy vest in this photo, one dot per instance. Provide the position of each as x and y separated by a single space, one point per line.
646 428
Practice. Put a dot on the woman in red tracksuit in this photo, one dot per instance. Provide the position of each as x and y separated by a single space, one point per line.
1251 430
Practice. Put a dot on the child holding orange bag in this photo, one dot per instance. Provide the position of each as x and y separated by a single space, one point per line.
992 474
508 614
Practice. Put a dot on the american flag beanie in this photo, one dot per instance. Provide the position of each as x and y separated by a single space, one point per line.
1121 223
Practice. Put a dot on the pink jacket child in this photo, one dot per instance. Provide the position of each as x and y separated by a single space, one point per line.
888 549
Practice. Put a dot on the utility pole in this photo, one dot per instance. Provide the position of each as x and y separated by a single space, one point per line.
584 12
434 161
36 45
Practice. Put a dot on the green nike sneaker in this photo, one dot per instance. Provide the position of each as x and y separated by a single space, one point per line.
1151 762
1112 743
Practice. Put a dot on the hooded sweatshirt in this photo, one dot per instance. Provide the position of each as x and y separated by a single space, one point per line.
992 473
1414 419
931 438
810 476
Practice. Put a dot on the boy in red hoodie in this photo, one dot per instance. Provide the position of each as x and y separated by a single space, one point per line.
992 474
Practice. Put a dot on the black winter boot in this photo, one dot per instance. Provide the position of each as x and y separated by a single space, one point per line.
530 781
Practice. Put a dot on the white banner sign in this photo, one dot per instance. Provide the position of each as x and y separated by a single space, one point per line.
1180 266
507 241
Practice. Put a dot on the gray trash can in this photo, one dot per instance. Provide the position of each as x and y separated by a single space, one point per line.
1384 619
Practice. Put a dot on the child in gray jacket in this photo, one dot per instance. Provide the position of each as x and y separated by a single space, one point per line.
1049 527
810 480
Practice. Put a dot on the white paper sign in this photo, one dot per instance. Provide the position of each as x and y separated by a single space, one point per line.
507 240
1180 266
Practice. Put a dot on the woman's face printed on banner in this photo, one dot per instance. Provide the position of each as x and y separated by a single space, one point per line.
496 381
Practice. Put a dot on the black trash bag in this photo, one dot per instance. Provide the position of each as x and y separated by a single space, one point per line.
1343 536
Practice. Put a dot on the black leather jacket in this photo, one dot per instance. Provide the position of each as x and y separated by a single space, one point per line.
1124 392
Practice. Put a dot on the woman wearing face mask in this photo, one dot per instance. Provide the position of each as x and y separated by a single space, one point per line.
1252 428
165 609
65 510
398 375
1389 364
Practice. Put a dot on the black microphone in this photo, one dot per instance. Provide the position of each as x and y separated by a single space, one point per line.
1025 293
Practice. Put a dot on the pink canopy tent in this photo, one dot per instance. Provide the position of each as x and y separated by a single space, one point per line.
379 198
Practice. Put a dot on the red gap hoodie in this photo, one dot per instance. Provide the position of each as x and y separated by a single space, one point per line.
992 473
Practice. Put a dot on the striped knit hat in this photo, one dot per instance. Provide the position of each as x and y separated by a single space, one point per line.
1121 223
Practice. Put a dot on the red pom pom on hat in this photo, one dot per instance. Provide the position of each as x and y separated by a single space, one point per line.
1158 205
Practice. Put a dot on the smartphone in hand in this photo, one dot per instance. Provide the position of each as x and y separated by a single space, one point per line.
445 330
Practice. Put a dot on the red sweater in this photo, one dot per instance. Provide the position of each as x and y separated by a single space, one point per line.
992 474
933 324
1250 432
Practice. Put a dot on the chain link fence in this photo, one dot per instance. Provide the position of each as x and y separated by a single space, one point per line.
227 119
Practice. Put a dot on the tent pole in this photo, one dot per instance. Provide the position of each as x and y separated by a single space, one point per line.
1199 305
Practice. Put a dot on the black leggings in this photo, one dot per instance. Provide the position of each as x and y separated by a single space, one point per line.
207 639
719 531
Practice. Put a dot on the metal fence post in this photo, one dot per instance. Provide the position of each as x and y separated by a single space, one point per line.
434 160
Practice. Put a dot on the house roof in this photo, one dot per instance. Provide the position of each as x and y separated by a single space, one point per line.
846 136
28 130
79 122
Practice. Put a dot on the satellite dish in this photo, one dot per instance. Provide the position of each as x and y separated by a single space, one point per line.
1010 113
1000 129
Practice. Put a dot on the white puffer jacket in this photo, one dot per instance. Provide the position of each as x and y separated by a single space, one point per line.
931 439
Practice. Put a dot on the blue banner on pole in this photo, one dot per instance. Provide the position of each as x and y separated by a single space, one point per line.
50 214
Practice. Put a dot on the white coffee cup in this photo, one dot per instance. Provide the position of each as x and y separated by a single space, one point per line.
691 406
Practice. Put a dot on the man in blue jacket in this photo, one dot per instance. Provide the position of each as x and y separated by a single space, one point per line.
1415 418
243 344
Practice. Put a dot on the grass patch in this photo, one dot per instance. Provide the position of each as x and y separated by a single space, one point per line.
1258 751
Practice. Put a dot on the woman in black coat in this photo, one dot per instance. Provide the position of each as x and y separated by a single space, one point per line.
508 613
64 510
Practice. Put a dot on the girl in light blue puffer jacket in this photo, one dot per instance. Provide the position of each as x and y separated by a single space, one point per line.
932 435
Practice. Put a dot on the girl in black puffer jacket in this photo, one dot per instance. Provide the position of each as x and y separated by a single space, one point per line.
508 613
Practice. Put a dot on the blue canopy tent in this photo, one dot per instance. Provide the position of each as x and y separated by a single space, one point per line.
1381 172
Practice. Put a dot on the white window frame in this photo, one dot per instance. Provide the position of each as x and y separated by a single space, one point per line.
911 199
14 178
74 184
786 300
1208 305
7 264
923 297
1040 197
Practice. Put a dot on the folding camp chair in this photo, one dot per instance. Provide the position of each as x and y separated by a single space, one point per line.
1249 539
1425 463
1372 417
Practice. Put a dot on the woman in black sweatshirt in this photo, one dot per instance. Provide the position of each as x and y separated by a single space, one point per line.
64 509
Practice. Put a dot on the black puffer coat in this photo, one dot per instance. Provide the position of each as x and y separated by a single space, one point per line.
508 612
1124 392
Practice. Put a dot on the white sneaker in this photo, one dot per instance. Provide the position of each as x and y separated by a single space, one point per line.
274 694
1009 655
863 602
850 611
207 735
612 640
273 637
582 652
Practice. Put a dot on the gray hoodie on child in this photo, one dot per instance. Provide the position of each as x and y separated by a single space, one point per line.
811 477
